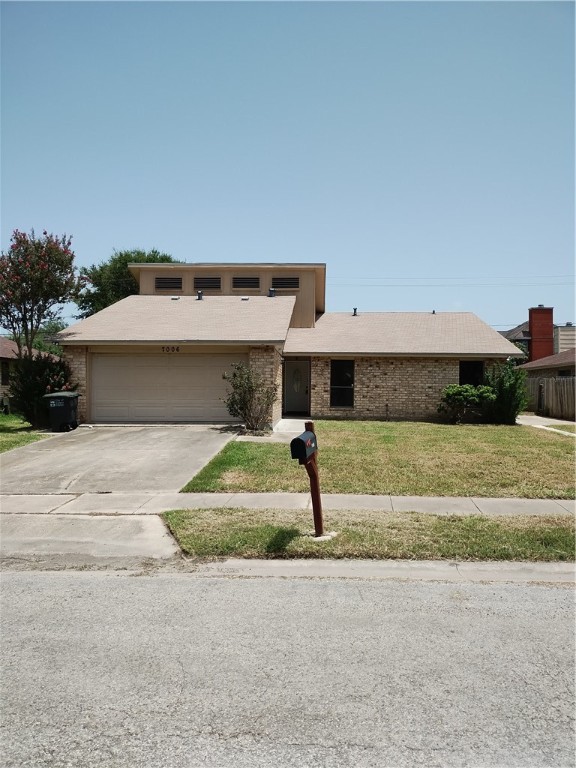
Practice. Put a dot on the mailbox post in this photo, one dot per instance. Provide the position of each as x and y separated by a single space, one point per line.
304 448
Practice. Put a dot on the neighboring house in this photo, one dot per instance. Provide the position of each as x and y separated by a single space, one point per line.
538 337
8 355
160 355
562 365
550 385
564 337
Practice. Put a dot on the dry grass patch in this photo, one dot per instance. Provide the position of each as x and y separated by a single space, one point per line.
213 533
405 459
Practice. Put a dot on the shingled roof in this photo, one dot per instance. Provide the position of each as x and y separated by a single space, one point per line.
416 334
157 319
561 360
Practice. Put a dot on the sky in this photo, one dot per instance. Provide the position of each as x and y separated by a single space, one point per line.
423 150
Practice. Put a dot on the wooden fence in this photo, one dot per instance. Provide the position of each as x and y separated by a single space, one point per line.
552 397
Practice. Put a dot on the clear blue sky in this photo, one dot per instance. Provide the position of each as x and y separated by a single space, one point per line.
423 150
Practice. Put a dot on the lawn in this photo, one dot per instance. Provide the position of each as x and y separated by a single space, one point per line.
404 459
15 432
564 427
213 533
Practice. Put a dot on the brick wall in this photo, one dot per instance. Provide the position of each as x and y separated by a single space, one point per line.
76 359
268 362
386 388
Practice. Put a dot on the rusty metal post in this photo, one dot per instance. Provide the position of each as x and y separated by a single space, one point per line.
312 470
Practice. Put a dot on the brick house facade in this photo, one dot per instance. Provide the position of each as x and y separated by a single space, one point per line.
160 355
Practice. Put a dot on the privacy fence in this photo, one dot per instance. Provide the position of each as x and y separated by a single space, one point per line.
552 397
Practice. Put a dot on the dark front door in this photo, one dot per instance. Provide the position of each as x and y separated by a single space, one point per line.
297 386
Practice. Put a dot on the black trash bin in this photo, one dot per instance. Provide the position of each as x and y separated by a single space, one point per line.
63 410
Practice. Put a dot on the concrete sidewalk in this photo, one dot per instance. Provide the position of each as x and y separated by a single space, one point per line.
156 503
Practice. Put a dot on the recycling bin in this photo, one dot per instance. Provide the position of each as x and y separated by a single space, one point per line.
62 410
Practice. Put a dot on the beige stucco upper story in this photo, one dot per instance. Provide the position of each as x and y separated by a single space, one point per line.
306 282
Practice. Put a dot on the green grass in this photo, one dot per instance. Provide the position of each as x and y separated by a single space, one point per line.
404 459
214 533
15 432
564 427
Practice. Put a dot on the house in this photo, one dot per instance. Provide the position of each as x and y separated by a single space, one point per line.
562 365
539 337
8 355
160 355
550 385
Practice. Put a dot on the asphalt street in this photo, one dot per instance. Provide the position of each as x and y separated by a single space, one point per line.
174 670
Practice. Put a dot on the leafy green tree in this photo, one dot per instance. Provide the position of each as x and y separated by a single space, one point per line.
43 341
37 275
250 398
110 281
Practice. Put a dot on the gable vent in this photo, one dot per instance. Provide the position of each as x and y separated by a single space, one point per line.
168 283
280 283
207 283
245 282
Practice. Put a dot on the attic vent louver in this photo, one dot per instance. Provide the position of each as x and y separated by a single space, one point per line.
207 283
168 283
286 283
245 282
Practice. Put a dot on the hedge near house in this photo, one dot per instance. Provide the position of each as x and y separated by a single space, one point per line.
498 401
34 377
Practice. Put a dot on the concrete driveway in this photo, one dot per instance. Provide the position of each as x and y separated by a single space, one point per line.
112 459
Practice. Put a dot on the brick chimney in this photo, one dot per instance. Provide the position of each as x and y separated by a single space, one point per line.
541 329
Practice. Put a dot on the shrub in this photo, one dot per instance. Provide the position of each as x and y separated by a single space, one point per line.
34 377
251 398
465 402
509 385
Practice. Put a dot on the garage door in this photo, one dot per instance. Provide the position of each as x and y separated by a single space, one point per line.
160 388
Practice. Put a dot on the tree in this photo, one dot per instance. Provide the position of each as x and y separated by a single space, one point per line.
251 398
36 276
108 282
44 338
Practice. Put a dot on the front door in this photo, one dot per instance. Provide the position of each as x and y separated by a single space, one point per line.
297 386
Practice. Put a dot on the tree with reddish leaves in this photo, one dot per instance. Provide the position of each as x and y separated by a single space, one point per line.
37 275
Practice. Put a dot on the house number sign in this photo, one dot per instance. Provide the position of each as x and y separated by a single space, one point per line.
170 349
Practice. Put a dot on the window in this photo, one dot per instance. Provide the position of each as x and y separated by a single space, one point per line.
284 283
563 373
168 283
342 383
472 372
207 283
245 282
5 373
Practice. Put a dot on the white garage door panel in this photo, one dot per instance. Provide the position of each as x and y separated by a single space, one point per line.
172 387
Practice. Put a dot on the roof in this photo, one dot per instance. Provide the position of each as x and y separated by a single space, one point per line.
9 350
561 360
217 319
519 333
395 334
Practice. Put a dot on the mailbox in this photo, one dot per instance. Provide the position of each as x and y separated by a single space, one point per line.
303 446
